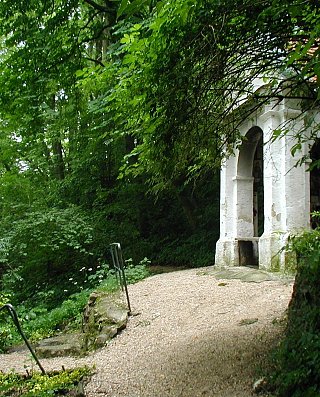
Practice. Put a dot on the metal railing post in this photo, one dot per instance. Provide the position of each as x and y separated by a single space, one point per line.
16 322
118 264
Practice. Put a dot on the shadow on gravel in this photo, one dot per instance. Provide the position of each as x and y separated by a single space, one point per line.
247 274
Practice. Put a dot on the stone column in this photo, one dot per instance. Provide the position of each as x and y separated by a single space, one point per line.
270 242
227 248
286 190
297 181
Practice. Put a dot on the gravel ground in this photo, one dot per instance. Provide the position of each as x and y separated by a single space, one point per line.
191 335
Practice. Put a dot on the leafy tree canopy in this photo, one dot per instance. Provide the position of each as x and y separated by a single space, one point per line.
169 74
194 63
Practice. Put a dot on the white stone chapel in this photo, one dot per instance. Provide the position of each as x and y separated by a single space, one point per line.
265 195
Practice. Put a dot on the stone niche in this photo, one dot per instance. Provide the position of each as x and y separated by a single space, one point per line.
265 196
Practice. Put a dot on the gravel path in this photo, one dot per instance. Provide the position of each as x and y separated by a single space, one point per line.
194 336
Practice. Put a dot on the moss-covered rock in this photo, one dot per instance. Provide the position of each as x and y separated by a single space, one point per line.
60 346
104 316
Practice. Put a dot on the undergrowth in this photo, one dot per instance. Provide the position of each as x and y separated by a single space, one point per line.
41 320
298 358
38 385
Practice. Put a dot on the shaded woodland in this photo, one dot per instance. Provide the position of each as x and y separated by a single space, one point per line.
114 119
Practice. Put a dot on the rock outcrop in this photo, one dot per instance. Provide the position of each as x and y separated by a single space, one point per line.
60 346
105 315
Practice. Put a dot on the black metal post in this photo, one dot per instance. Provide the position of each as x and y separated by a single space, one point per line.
118 264
16 322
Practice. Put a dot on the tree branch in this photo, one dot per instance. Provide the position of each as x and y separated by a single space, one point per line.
95 61
98 6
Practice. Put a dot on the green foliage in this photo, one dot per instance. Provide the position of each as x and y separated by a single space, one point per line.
116 218
4 298
186 70
5 329
298 358
37 385
133 7
44 244
42 321
306 245
183 227
194 251
135 273
38 323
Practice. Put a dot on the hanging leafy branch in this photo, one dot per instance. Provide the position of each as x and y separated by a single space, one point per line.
191 66
173 80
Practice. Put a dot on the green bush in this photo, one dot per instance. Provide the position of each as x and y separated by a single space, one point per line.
5 329
38 322
48 323
135 273
298 358
43 246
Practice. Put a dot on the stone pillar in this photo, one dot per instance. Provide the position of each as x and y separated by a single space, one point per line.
286 190
274 207
297 183
227 247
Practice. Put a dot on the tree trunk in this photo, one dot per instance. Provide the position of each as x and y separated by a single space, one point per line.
58 162
187 205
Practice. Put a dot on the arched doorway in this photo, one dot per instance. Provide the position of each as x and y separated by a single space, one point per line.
250 197
258 191
315 182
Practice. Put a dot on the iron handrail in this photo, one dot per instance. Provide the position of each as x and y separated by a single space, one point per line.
118 264
16 322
